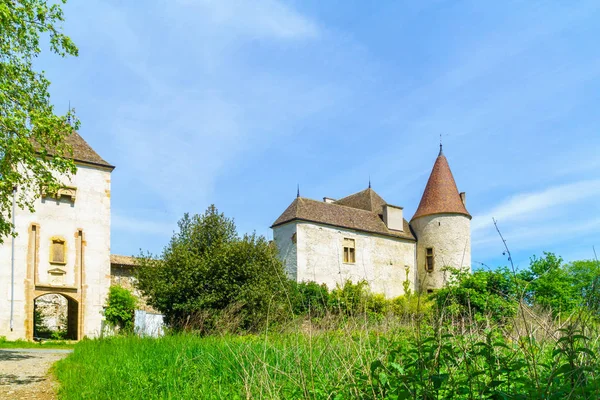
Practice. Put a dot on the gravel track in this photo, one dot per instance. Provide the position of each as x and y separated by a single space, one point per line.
24 373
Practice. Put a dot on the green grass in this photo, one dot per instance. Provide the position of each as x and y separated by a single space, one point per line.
23 344
445 362
190 367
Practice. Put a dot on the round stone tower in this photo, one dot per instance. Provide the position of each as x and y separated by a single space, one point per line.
442 226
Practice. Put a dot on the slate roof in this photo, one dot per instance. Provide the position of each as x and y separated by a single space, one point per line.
344 216
82 151
367 200
441 194
123 260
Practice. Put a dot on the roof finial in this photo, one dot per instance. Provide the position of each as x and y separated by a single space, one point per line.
369 181
298 192
441 152
69 114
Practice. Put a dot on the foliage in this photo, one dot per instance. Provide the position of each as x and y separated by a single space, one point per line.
549 285
120 308
207 273
32 137
448 366
309 299
585 278
312 300
365 362
350 298
482 294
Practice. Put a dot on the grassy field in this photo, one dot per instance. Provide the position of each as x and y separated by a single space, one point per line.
447 362
189 367
22 344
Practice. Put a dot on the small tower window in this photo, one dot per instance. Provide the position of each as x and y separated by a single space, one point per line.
349 251
429 259
58 250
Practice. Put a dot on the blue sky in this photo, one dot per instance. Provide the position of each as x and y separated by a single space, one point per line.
236 102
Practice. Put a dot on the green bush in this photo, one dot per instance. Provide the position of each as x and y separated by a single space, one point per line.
309 299
350 298
208 277
120 309
482 294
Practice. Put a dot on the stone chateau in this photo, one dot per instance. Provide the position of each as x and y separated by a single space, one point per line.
362 237
61 254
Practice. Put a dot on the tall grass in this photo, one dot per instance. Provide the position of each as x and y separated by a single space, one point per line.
351 358
306 364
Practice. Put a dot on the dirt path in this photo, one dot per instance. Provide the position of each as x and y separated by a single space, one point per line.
24 373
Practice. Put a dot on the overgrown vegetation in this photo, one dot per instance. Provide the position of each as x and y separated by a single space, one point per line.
120 309
241 330
208 273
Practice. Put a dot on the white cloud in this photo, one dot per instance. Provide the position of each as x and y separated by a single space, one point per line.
530 205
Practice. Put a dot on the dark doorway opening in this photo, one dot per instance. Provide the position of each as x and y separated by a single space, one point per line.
55 317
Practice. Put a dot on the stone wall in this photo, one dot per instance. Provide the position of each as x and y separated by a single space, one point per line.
384 262
80 218
124 276
285 238
450 237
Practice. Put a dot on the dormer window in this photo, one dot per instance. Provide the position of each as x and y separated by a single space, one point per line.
58 251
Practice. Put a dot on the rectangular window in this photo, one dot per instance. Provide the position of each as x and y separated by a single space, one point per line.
429 259
349 251
57 252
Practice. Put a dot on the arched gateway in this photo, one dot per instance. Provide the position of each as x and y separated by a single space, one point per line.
63 248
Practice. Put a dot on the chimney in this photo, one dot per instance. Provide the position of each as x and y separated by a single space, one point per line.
463 198
393 218
328 200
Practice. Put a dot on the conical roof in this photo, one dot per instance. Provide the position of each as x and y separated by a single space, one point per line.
441 195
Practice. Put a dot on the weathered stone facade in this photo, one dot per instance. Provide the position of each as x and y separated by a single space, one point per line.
361 237
63 248
122 273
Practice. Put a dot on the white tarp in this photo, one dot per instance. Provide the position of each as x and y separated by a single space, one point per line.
148 324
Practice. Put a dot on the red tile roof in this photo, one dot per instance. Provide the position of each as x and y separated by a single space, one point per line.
441 195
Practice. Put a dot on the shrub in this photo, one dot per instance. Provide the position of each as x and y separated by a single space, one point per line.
350 299
309 298
481 294
207 272
120 309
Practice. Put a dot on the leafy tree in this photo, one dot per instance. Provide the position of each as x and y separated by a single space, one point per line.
585 277
32 138
482 293
207 270
548 284
120 308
